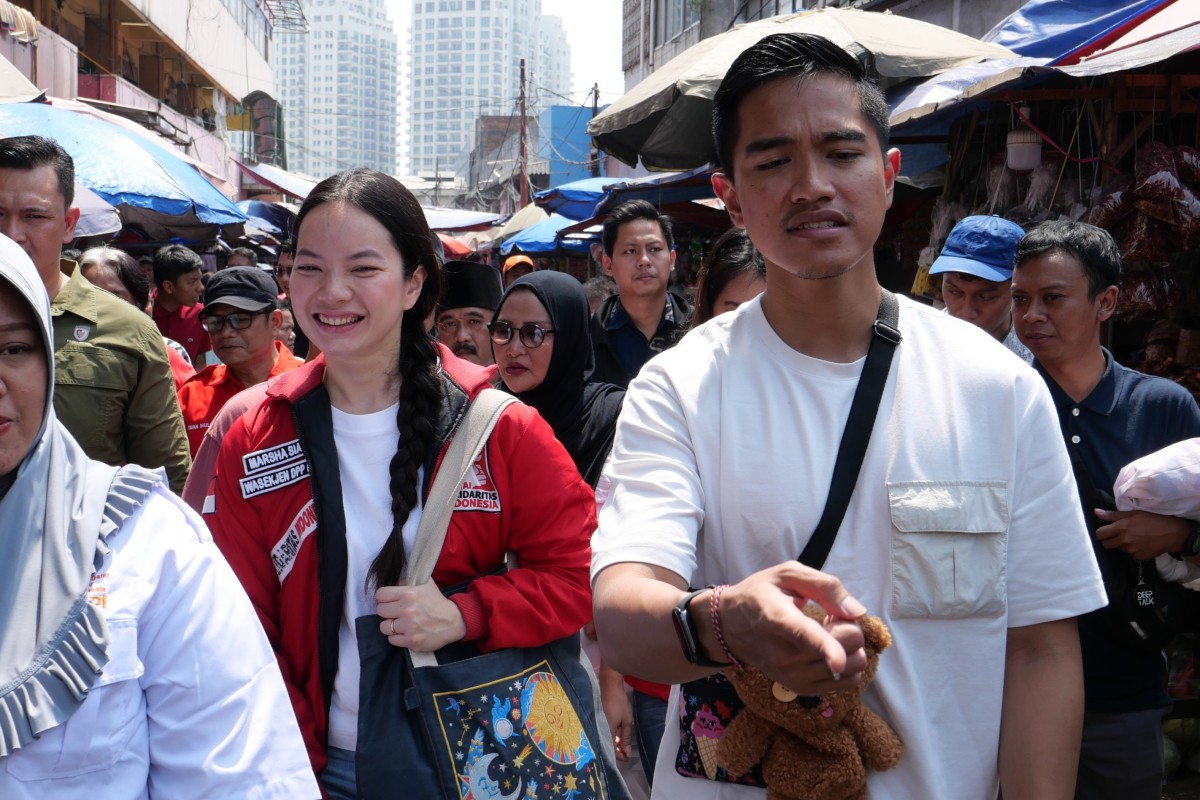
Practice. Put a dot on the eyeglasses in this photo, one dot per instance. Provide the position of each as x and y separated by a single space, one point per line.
531 335
283 270
239 321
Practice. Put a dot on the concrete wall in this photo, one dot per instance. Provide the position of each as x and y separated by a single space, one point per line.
208 33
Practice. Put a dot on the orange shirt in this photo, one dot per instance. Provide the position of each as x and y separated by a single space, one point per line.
211 388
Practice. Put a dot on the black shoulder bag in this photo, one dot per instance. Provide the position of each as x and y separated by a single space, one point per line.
707 706
1144 611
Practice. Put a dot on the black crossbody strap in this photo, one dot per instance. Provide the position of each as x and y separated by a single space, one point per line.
857 434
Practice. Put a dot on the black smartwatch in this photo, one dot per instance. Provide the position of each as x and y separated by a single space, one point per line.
689 638
1191 545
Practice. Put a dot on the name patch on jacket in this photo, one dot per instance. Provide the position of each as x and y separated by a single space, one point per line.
273 468
478 492
283 554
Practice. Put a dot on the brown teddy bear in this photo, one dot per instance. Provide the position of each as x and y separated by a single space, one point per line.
815 748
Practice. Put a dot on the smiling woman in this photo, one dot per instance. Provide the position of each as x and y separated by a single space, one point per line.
348 443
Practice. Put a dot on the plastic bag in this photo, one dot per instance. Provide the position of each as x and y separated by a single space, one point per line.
1155 178
1115 204
1165 482
1187 164
1041 183
1001 188
1147 294
1187 213
1139 243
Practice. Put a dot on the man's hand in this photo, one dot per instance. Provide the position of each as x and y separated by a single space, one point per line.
1141 534
419 617
763 625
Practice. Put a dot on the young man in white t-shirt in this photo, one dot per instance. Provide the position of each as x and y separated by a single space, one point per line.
964 515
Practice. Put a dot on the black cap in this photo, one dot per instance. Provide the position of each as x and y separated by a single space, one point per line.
470 284
244 288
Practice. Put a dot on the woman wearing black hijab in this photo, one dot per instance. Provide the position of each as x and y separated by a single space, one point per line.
541 340
542 344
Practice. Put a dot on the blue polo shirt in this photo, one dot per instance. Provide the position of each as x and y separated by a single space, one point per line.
630 345
1128 415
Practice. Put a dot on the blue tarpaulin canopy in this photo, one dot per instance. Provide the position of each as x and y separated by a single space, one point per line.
542 238
1145 33
1057 29
124 169
575 200
270 217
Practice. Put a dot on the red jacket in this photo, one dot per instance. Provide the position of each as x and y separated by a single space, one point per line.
212 387
273 493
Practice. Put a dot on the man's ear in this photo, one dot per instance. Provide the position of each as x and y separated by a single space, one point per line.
70 221
1106 303
891 169
723 187
606 261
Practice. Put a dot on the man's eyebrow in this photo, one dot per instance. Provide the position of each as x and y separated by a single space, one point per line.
17 326
828 137
761 145
843 135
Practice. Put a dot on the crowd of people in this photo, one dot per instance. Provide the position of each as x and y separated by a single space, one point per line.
214 485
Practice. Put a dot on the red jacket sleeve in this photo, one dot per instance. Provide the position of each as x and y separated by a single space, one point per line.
550 520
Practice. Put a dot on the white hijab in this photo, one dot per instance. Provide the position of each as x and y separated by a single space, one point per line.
54 520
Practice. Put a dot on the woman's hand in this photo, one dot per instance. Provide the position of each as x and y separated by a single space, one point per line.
617 709
418 617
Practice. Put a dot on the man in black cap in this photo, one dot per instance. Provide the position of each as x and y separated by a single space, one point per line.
241 314
470 298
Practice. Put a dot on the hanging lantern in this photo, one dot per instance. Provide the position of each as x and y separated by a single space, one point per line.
1024 146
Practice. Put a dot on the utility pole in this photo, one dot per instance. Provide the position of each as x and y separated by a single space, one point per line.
524 164
594 152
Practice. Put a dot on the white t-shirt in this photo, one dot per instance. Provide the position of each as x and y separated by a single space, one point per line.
191 703
963 518
365 445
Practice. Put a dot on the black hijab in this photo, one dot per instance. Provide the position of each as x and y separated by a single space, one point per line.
582 414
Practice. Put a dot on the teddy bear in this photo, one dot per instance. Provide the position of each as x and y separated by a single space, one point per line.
815 748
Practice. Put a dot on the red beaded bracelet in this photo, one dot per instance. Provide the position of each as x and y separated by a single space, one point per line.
714 611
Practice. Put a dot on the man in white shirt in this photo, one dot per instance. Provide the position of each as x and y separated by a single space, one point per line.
725 449
976 266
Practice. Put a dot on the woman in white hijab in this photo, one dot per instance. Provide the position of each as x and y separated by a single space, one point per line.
132 664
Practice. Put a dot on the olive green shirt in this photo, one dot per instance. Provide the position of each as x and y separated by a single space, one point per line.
113 386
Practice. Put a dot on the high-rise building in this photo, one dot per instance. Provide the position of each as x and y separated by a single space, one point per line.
465 61
337 86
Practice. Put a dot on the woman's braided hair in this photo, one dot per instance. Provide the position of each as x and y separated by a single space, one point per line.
395 208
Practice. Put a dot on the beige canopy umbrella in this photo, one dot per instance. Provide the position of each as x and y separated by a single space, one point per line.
666 119
14 86
529 215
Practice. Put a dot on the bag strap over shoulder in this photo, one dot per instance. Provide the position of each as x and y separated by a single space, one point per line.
465 446
857 434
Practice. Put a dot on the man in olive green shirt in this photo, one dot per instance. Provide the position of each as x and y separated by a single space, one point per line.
113 386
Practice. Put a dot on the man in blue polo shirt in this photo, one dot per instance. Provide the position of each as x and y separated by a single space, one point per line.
643 318
1064 286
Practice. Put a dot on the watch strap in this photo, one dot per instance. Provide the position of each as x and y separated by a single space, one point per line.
689 637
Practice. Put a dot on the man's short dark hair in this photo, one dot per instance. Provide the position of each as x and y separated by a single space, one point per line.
630 211
172 261
790 55
245 252
1094 249
31 152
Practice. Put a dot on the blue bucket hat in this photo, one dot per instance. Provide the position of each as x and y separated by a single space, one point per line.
981 246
